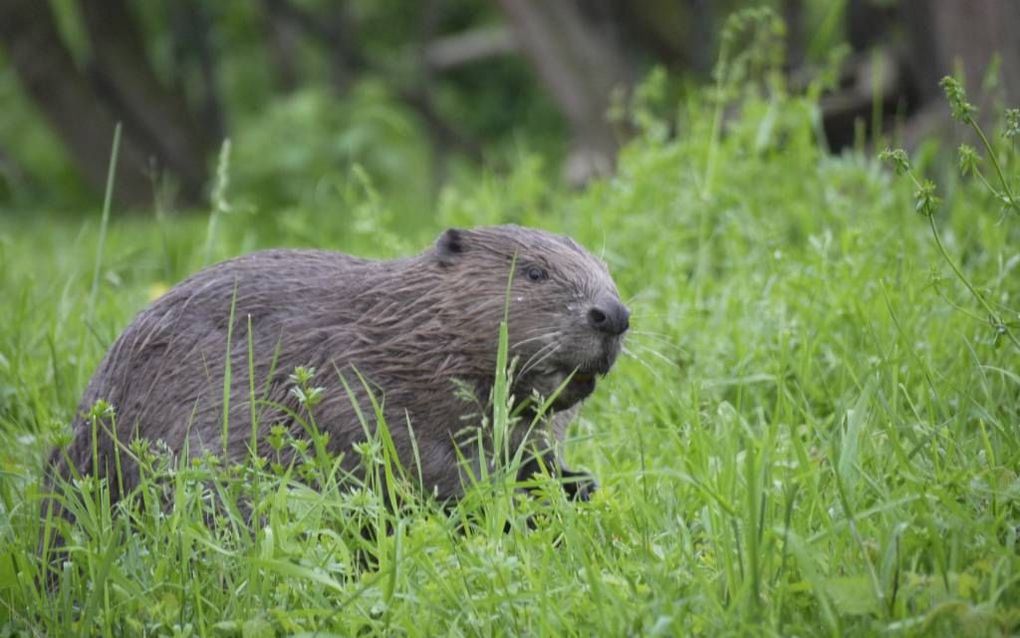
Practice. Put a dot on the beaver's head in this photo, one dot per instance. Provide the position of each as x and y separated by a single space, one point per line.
566 320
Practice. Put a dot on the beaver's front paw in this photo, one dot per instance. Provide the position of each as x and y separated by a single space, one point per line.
579 486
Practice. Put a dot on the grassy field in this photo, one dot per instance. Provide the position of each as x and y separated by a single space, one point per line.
814 431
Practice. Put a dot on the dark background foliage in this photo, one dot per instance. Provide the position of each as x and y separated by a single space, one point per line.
421 93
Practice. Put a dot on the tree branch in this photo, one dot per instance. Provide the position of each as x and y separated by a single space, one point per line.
461 49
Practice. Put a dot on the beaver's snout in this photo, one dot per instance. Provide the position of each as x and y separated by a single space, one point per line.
610 317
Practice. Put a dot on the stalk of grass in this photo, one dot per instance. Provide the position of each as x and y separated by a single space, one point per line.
711 158
252 405
228 376
752 529
501 382
220 205
104 222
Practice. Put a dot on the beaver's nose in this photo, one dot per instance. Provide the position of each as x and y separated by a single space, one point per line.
611 317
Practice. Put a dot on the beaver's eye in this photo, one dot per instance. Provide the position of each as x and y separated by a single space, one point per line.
536 273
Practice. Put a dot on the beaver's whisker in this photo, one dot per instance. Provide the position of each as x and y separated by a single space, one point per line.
641 315
629 301
655 373
658 336
539 329
541 360
541 352
540 355
535 329
639 337
544 335
642 331
646 349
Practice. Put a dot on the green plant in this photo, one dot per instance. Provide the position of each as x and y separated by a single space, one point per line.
1003 320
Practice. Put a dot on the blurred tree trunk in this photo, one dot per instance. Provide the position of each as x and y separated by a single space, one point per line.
681 34
963 35
580 63
901 74
10 174
159 131
793 15
193 48
155 115
333 32
65 98
954 37
282 40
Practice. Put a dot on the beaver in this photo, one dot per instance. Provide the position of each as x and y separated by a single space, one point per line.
409 334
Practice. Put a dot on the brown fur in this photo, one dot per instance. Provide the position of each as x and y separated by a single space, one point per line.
414 328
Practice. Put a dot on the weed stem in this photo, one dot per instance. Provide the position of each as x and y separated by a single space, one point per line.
1010 199
998 323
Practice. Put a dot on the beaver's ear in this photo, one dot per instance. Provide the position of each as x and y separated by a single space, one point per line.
450 245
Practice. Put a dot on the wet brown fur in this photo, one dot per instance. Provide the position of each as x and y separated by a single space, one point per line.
414 328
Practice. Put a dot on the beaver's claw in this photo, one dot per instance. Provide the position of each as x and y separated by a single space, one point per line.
579 486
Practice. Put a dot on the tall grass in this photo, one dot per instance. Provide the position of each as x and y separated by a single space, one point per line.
804 439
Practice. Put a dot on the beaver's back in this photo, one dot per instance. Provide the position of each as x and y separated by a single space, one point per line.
164 376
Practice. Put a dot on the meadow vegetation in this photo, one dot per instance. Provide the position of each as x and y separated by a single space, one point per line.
814 430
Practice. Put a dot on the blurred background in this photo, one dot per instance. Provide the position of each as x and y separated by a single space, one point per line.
412 96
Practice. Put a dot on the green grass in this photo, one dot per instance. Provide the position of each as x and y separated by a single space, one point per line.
815 431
